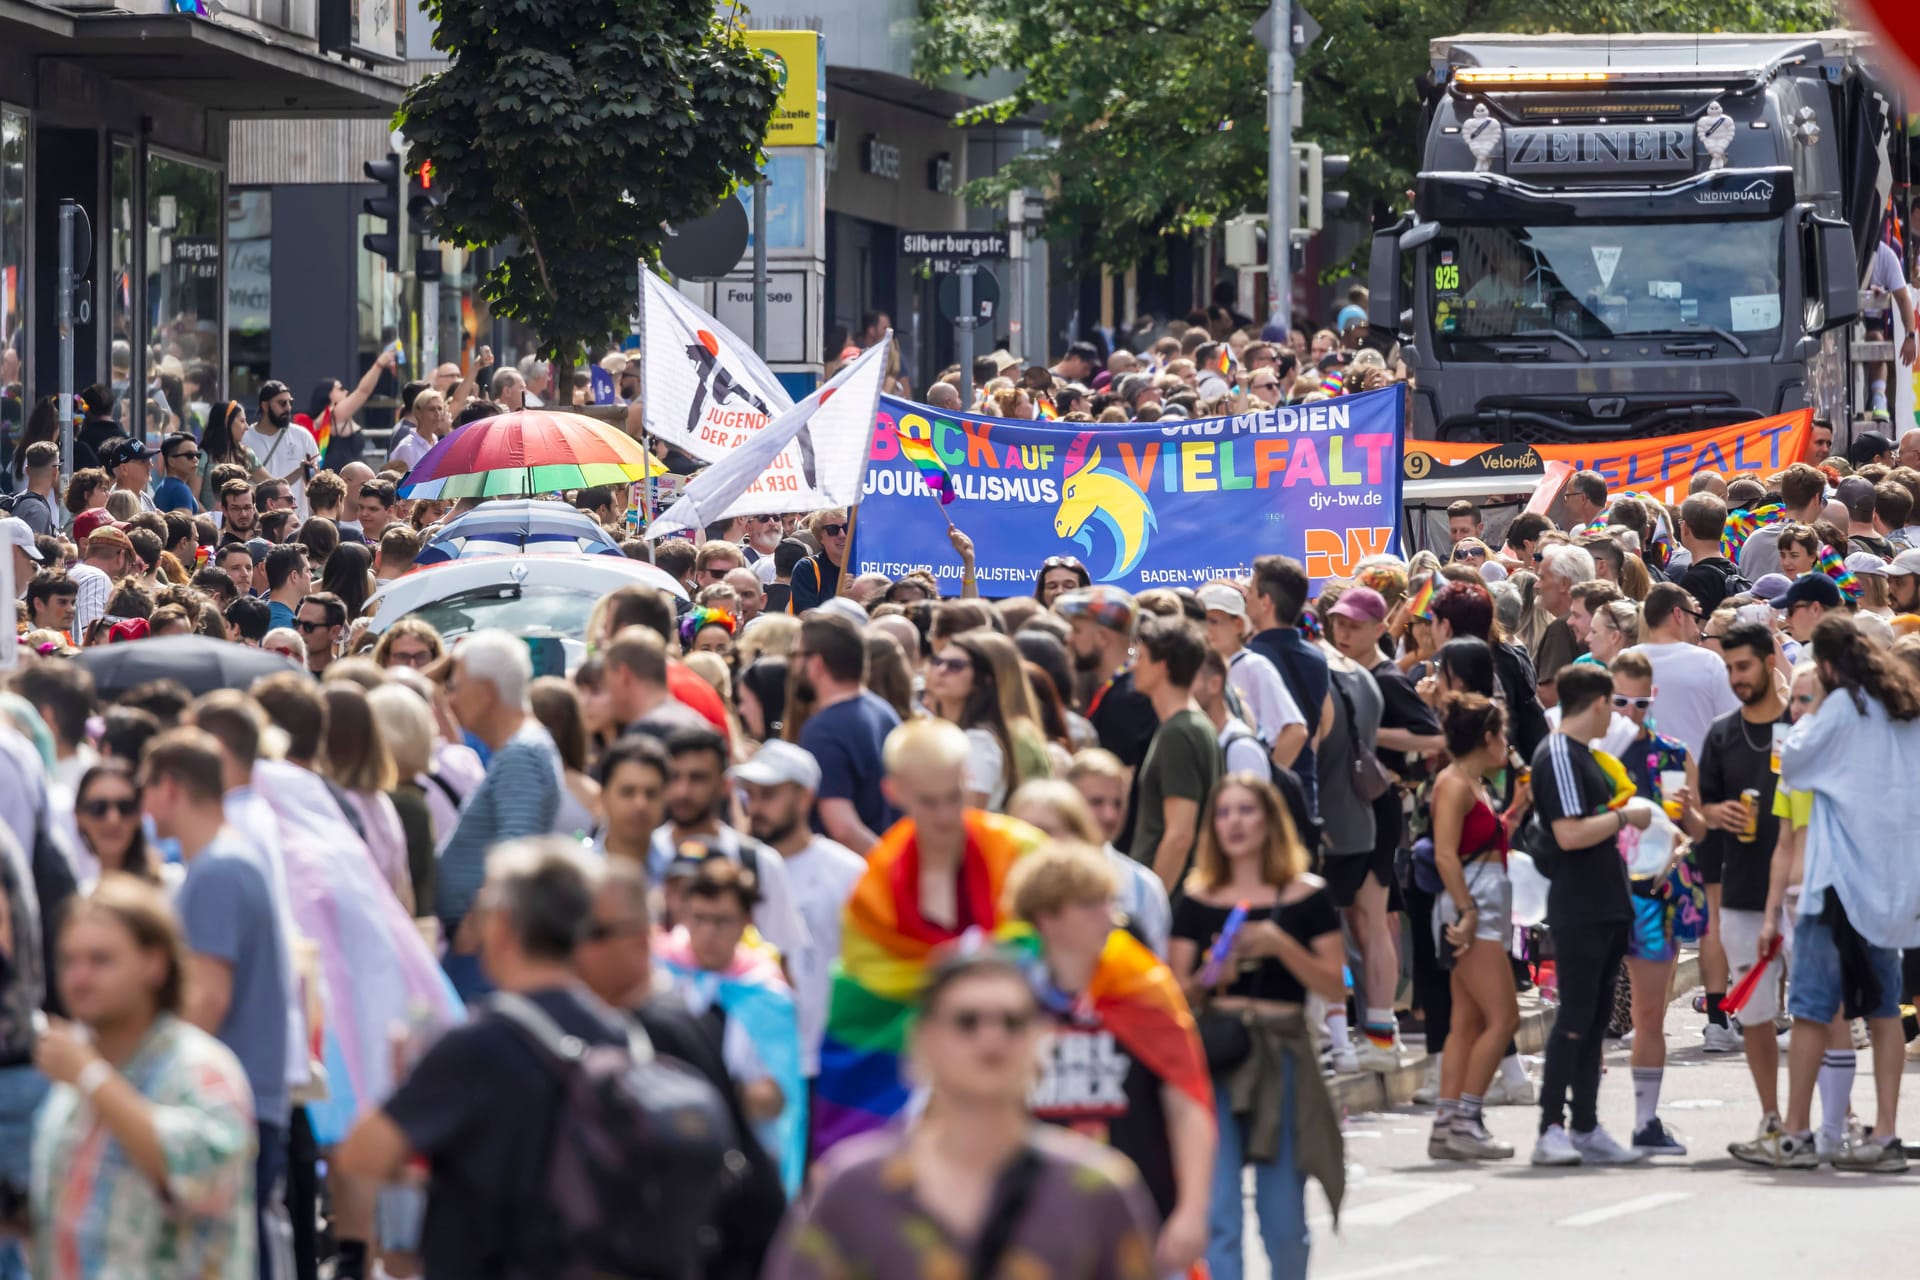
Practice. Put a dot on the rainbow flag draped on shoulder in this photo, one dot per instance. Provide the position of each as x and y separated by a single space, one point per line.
884 950
1133 994
753 992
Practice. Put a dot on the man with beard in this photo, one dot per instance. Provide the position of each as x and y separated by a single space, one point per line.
779 784
1736 762
1903 582
846 732
283 450
696 796
239 513
1101 641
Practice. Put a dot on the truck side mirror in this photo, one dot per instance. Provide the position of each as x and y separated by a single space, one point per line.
1386 296
1839 270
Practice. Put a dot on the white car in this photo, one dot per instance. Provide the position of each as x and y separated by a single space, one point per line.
530 596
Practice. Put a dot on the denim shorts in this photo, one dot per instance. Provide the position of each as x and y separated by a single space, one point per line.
1815 990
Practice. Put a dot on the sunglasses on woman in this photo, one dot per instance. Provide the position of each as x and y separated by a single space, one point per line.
98 809
1059 562
832 530
953 666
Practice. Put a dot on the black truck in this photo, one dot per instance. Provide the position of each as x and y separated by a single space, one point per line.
1617 237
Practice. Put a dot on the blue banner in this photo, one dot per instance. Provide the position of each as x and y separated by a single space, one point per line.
1167 504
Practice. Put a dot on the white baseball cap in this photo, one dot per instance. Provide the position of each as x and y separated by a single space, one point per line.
1905 565
1218 597
778 762
1868 563
21 535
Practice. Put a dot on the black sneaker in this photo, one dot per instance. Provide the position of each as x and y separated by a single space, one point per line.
1654 1139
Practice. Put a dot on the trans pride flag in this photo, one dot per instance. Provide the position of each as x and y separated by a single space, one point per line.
374 968
884 951
753 992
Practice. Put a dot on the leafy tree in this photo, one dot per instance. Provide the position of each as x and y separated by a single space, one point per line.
567 133
1155 110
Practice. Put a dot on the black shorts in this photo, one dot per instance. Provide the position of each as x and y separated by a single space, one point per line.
1345 873
1708 857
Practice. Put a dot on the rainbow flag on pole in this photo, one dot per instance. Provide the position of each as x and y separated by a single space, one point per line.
885 948
918 449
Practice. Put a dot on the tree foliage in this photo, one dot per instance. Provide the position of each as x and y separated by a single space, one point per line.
567 133
1155 110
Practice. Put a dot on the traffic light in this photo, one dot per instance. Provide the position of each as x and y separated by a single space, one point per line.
1312 168
385 207
423 198
423 205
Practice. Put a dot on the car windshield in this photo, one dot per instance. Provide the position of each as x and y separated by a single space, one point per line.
528 611
1581 282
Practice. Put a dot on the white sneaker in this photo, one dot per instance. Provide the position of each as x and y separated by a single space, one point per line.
1345 1061
1373 1057
1556 1148
1719 1039
1504 1093
1429 1091
1599 1147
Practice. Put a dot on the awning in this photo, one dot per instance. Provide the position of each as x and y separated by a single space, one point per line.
204 62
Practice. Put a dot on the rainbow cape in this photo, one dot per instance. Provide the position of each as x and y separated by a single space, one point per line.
323 431
1742 524
918 449
1133 995
885 946
753 992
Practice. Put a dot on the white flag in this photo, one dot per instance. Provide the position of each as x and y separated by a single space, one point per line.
829 435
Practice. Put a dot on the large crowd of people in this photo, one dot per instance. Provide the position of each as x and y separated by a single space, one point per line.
815 925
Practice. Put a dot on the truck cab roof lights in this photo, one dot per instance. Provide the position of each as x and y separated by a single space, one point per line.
1524 78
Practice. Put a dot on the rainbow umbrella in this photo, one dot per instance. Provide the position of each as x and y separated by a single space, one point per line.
534 451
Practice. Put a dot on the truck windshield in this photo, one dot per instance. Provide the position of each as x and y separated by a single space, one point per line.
1699 281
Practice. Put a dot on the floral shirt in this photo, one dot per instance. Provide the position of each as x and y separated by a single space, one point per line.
865 1220
97 1216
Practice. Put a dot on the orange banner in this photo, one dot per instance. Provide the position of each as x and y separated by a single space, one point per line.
1661 466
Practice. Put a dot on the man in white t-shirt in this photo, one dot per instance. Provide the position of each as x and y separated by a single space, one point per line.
779 784
1690 681
283 448
1275 716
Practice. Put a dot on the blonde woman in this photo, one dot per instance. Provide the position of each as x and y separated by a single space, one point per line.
976 682
406 723
817 578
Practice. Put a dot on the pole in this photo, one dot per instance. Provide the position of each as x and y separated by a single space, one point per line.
1280 173
847 573
963 333
760 266
64 311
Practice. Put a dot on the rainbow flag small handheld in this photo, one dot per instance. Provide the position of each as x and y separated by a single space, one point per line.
918 450
1422 604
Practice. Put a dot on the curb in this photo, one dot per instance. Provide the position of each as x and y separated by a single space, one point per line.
1377 1091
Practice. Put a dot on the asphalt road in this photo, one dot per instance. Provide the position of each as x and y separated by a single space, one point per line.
1408 1215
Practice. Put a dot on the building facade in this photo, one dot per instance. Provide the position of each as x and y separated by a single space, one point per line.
124 110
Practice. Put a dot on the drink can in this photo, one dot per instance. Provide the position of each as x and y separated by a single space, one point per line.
1751 799
1779 736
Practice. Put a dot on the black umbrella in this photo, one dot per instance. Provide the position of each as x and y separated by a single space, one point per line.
199 663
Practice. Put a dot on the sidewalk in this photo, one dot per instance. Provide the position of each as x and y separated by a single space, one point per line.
1377 1091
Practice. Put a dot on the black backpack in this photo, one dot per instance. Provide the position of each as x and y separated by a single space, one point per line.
641 1150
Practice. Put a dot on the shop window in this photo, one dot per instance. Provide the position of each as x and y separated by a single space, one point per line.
249 293
14 392
120 285
186 214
